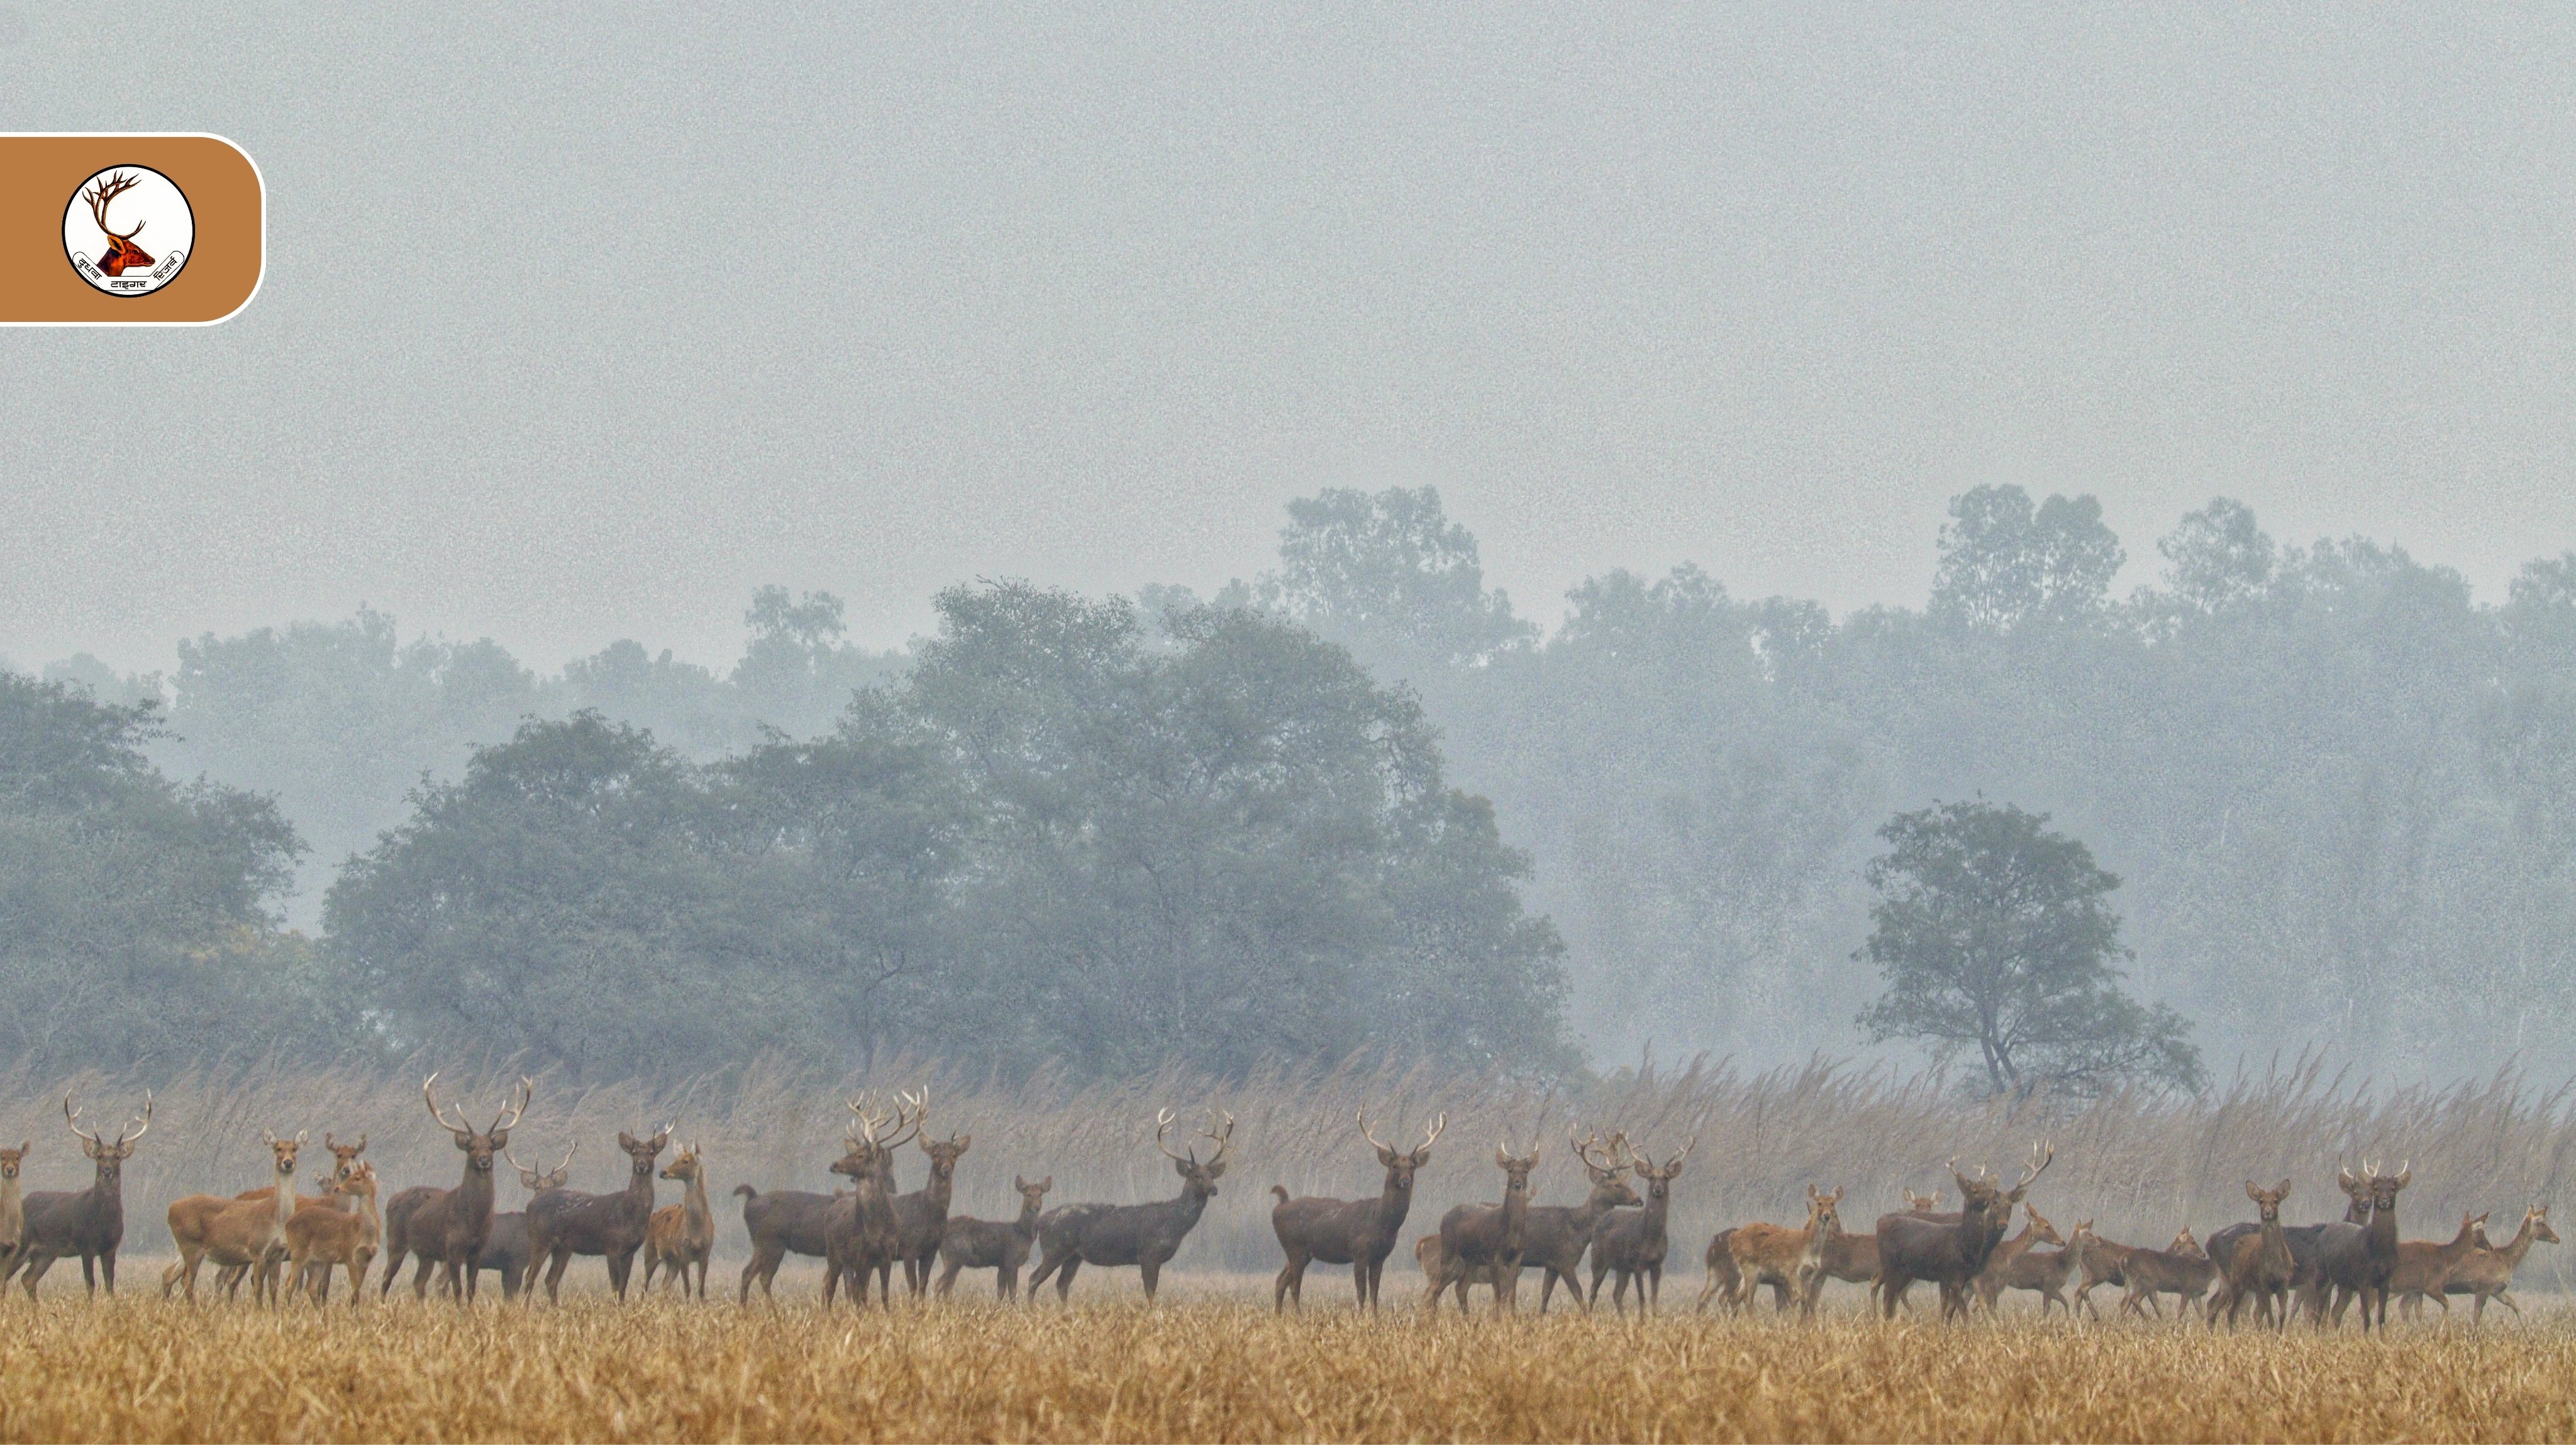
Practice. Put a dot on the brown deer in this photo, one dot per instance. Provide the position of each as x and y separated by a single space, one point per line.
1633 1245
1988 1286
122 254
2425 1267
90 1223
318 1239
2488 1271
1144 1235
1358 1232
1724 1283
2043 1271
1924 1203
13 1206
784 1222
447 1228
1787 1258
344 1159
921 1217
2184 1271
2102 1263
682 1235
1912 1248
971 1243
1487 1236
566 1222
863 1232
2259 1264
506 1247
237 1234
1556 1235
2358 1264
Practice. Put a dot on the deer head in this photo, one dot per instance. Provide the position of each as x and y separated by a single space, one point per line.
1197 1178
1659 1177
2041 1231
110 1157
2184 1244
1401 1163
479 1146
344 1157
536 1183
1927 1203
1608 1168
944 1156
2384 1187
640 1153
1516 1171
282 1155
10 1159
359 1182
1823 1214
2537 1216
685 1165
1032 1196
871 1153
2267 1202
122 253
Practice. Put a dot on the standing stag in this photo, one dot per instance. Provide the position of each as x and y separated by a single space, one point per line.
2260 1265
90 1223
788 1221
682 1235
1358 1232
971 1243
1483 1237
1949 1255
2358 1263
449 1227
921 1217
506 1247
1144 1235
566 1222
862 1232
239 1235
1556 1236
1632 1246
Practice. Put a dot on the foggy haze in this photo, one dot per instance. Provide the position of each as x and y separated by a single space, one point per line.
581 323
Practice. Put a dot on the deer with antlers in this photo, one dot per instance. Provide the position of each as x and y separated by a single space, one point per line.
1358 1232
1556 1235
1791 1259
682 1235
2259 1265
2358 1263
921 1217
1911 1248
448 1228
237 1234
794 1221
1484 1238
863 1232
122 254
1144 1235
319 1239
505 1248
2488 1271
566 1222
1632 1246
89 1223
970 1243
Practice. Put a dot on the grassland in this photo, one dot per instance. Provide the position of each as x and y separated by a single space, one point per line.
1210 1364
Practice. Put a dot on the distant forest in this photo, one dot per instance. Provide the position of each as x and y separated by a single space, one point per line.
1356 804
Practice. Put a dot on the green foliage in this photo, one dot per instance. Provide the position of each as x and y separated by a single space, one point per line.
2005 565
1997 935
1389 575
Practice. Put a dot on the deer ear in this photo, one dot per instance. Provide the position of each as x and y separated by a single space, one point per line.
1387 1156
1047 1183
1018 1183
626 1140
2285 1189
965 1142
2252 1192
1216 1169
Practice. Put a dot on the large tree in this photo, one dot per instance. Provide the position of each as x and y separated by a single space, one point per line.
1996 934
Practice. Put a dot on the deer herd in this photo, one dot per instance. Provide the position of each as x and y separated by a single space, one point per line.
285 1242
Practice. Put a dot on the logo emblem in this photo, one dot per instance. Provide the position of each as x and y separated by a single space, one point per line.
113 218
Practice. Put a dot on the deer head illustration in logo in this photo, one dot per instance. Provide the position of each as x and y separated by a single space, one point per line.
122 253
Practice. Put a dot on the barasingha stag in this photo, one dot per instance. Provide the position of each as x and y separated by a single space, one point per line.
89 1223
862 1231
1358 1232
1632 1246
1949 1255
1557 1236
447 1228
505 1248
1143 1235
2358 1264
566 1222
1002 1246
1482 1239
921 1217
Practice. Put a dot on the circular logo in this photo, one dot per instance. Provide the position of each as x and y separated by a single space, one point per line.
128 230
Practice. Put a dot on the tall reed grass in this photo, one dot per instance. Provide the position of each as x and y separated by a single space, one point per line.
2139 1166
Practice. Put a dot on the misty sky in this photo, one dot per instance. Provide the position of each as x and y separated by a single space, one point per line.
581 324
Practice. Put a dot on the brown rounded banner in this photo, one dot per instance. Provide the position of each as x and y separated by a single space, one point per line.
128 230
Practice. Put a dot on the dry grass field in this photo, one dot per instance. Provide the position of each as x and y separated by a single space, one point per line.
1210 1364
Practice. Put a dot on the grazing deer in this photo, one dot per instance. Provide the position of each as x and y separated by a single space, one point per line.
1784 1258
2488 1271
1358 1232
2043 1271
1144 1235
2358 1264
122 254
505 1248
448 1228
921 1217
566 1222
1912 1248
237 1234
90 1223
2259 1265
1988 1285
317 1239
971 1243
1633 1245
863 1233
2423 1266
1556 1235
682 1235
2185 1271
13 1206
1485 1237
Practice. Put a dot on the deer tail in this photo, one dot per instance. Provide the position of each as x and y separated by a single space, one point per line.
745 1191
1281 1190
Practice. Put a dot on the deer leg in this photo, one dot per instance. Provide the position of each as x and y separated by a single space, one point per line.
36 1267
89 1272
619 1267
1006 1283
1063 1279
1653 1304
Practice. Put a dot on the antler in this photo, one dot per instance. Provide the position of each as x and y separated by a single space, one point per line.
527 1095
429 1094
2039 1164
909 1111
567 1159
1162 1126
1431 1136
1369 1136
71 1116
142 1122
1223 1140
108 190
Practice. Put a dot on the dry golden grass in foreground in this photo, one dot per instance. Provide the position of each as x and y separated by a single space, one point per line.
1206 1370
